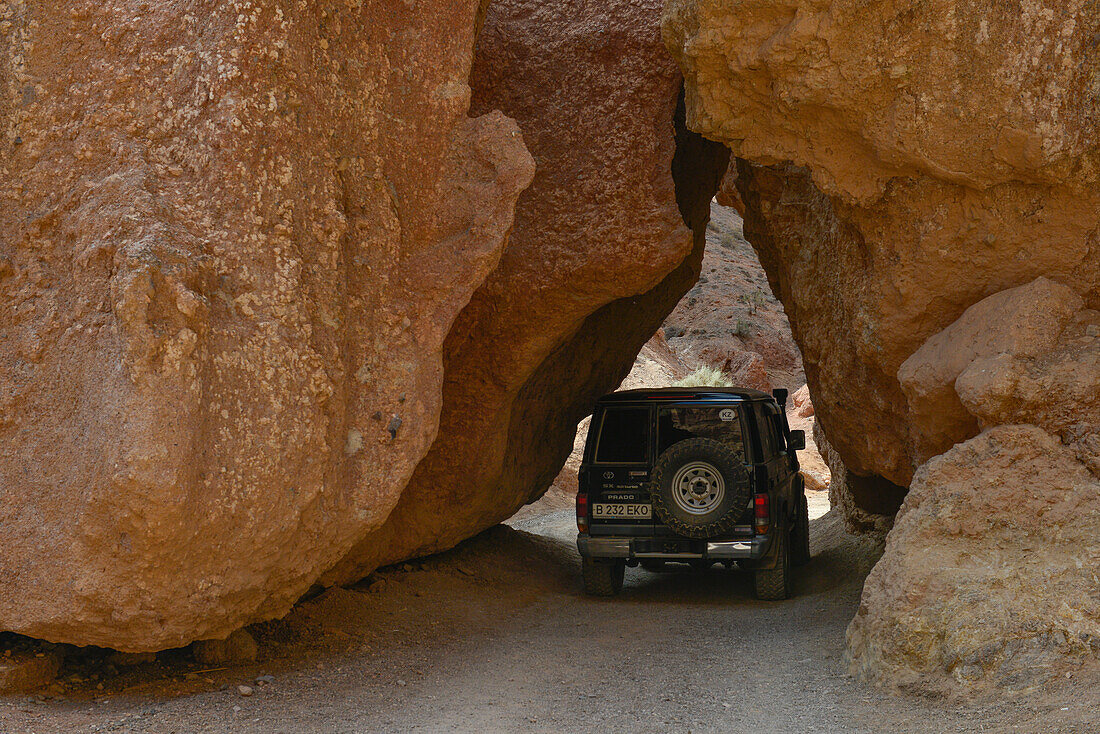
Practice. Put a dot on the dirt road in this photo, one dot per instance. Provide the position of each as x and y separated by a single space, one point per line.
497 637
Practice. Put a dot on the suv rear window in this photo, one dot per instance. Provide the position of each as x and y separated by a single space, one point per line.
721 423
771 436
623 437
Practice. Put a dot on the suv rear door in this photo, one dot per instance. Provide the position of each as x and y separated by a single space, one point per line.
618 454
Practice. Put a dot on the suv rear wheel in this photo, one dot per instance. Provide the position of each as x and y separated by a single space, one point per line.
603 577
774 584
699 488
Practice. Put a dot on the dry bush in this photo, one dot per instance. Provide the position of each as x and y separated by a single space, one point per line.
705 377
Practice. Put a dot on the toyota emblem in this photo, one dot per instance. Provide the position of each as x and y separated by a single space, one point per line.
609 475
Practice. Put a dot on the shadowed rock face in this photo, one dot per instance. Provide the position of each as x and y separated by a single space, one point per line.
233 241
599 255
921 187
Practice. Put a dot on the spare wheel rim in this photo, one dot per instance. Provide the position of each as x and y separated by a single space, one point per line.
698 488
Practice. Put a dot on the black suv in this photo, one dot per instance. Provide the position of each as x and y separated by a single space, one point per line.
700 475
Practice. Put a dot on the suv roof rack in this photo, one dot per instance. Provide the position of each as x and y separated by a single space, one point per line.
681 393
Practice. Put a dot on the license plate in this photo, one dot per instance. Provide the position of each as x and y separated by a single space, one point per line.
621 510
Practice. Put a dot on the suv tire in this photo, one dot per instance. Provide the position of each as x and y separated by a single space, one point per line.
603 578
774 584
699 488
800 540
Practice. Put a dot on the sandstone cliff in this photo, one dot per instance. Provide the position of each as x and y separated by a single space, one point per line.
232 241
896 169
921 187
253 265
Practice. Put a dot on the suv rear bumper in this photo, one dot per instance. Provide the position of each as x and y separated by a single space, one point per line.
752 548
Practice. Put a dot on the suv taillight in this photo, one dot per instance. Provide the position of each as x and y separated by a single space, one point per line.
760 514
582 512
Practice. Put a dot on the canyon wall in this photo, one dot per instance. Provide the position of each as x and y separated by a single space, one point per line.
277 309
897 167
989 574
233 237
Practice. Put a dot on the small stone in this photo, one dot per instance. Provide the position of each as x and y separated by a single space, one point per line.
244 690
395 423
401 682
969 673
263 679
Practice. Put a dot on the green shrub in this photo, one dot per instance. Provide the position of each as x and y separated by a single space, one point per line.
753 300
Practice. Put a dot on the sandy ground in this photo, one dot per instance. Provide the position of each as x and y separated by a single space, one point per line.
496 636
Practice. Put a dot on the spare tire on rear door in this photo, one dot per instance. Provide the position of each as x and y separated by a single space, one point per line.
699 488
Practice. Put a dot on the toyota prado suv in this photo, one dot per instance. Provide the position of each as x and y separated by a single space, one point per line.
696 475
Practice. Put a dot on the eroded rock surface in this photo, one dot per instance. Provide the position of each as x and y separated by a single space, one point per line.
989 575
600 253
989 572
233 238
1025 355
895 169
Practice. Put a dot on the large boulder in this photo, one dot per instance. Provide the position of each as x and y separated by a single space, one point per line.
607 239
989 575
1029 354
895 168
233 241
